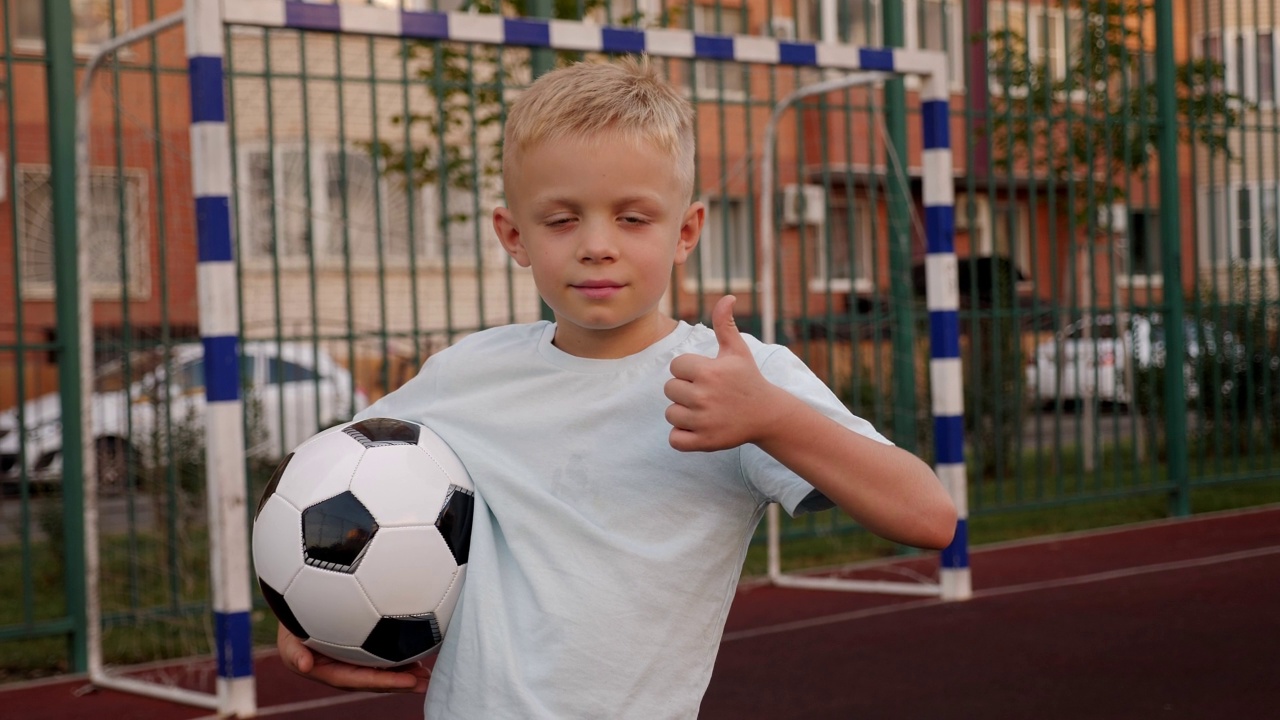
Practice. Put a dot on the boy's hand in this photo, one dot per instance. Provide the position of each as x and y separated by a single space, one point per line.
344 676
722 402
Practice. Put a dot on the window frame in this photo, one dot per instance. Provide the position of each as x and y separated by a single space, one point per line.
1219 225
35 44
137 226
1230 44
1030 23
859 215
1128 276
710 19
706 271
427 239
955 51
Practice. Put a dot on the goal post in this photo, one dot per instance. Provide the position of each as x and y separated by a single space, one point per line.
218 297
942 299
213 183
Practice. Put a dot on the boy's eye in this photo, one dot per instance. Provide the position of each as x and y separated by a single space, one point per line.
633 220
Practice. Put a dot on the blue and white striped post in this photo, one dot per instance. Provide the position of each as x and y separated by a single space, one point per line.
219 331
939 192
942 298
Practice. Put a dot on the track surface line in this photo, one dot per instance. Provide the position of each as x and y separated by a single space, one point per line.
999 592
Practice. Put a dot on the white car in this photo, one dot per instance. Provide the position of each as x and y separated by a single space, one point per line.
1090 357
293 391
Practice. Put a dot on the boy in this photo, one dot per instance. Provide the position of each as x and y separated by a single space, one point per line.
622 459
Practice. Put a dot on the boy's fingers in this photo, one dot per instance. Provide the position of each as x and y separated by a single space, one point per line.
685 367
726 328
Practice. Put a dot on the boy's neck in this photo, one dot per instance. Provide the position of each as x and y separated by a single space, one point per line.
614 343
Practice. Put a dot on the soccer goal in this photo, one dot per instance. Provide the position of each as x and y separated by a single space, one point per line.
717 63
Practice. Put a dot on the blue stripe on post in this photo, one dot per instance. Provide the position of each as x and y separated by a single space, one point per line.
937 124
207 103
221 368
940 229
956 555
213 229
712 47
529 33
948 438
424 25
235 650
622 40
790 53
944 334
312 16
873 59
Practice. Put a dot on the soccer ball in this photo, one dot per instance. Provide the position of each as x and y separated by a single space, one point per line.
360 541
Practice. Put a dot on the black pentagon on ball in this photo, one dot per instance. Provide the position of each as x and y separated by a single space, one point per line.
285 615
380 432
396 639
270 489
336 532
454 522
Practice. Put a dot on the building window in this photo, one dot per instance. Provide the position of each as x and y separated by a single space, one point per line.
716 78
1211 49
1249 62
1143 251
725 252
630 13
1242 224
1239 225
939 25
337 204
93 21
1052 37
843 258
1010 237
116 233
862 21
1266 68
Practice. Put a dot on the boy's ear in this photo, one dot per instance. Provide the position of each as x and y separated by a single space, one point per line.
690 230
509 235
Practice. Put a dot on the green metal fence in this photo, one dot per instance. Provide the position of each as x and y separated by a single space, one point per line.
1120 298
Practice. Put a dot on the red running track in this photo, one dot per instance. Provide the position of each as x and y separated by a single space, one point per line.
1173 619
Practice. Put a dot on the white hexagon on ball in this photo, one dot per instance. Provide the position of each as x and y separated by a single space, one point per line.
407 571
401 502
320 470
332 606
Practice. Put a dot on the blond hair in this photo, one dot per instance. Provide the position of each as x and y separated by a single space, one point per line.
628 96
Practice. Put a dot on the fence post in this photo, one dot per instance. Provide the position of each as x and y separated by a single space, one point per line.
1171 261
61 83
904 336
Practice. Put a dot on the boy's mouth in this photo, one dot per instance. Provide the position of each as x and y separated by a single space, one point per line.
597 289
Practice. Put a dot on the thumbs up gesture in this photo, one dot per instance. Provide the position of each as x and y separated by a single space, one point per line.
721 402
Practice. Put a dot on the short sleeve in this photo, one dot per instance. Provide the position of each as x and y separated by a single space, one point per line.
770 479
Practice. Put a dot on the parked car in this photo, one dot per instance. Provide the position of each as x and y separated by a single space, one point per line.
292 391
1090 357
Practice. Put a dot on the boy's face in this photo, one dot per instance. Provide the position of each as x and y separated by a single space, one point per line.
601 222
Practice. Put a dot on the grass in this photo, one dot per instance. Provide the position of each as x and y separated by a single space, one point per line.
153 597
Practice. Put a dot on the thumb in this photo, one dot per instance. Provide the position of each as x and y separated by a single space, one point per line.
726 329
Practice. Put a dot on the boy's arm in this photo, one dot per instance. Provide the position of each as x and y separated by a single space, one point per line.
300 659
724 402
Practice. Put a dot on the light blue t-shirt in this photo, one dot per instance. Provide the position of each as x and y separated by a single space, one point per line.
602 561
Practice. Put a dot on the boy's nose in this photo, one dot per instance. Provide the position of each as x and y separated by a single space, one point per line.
597 245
